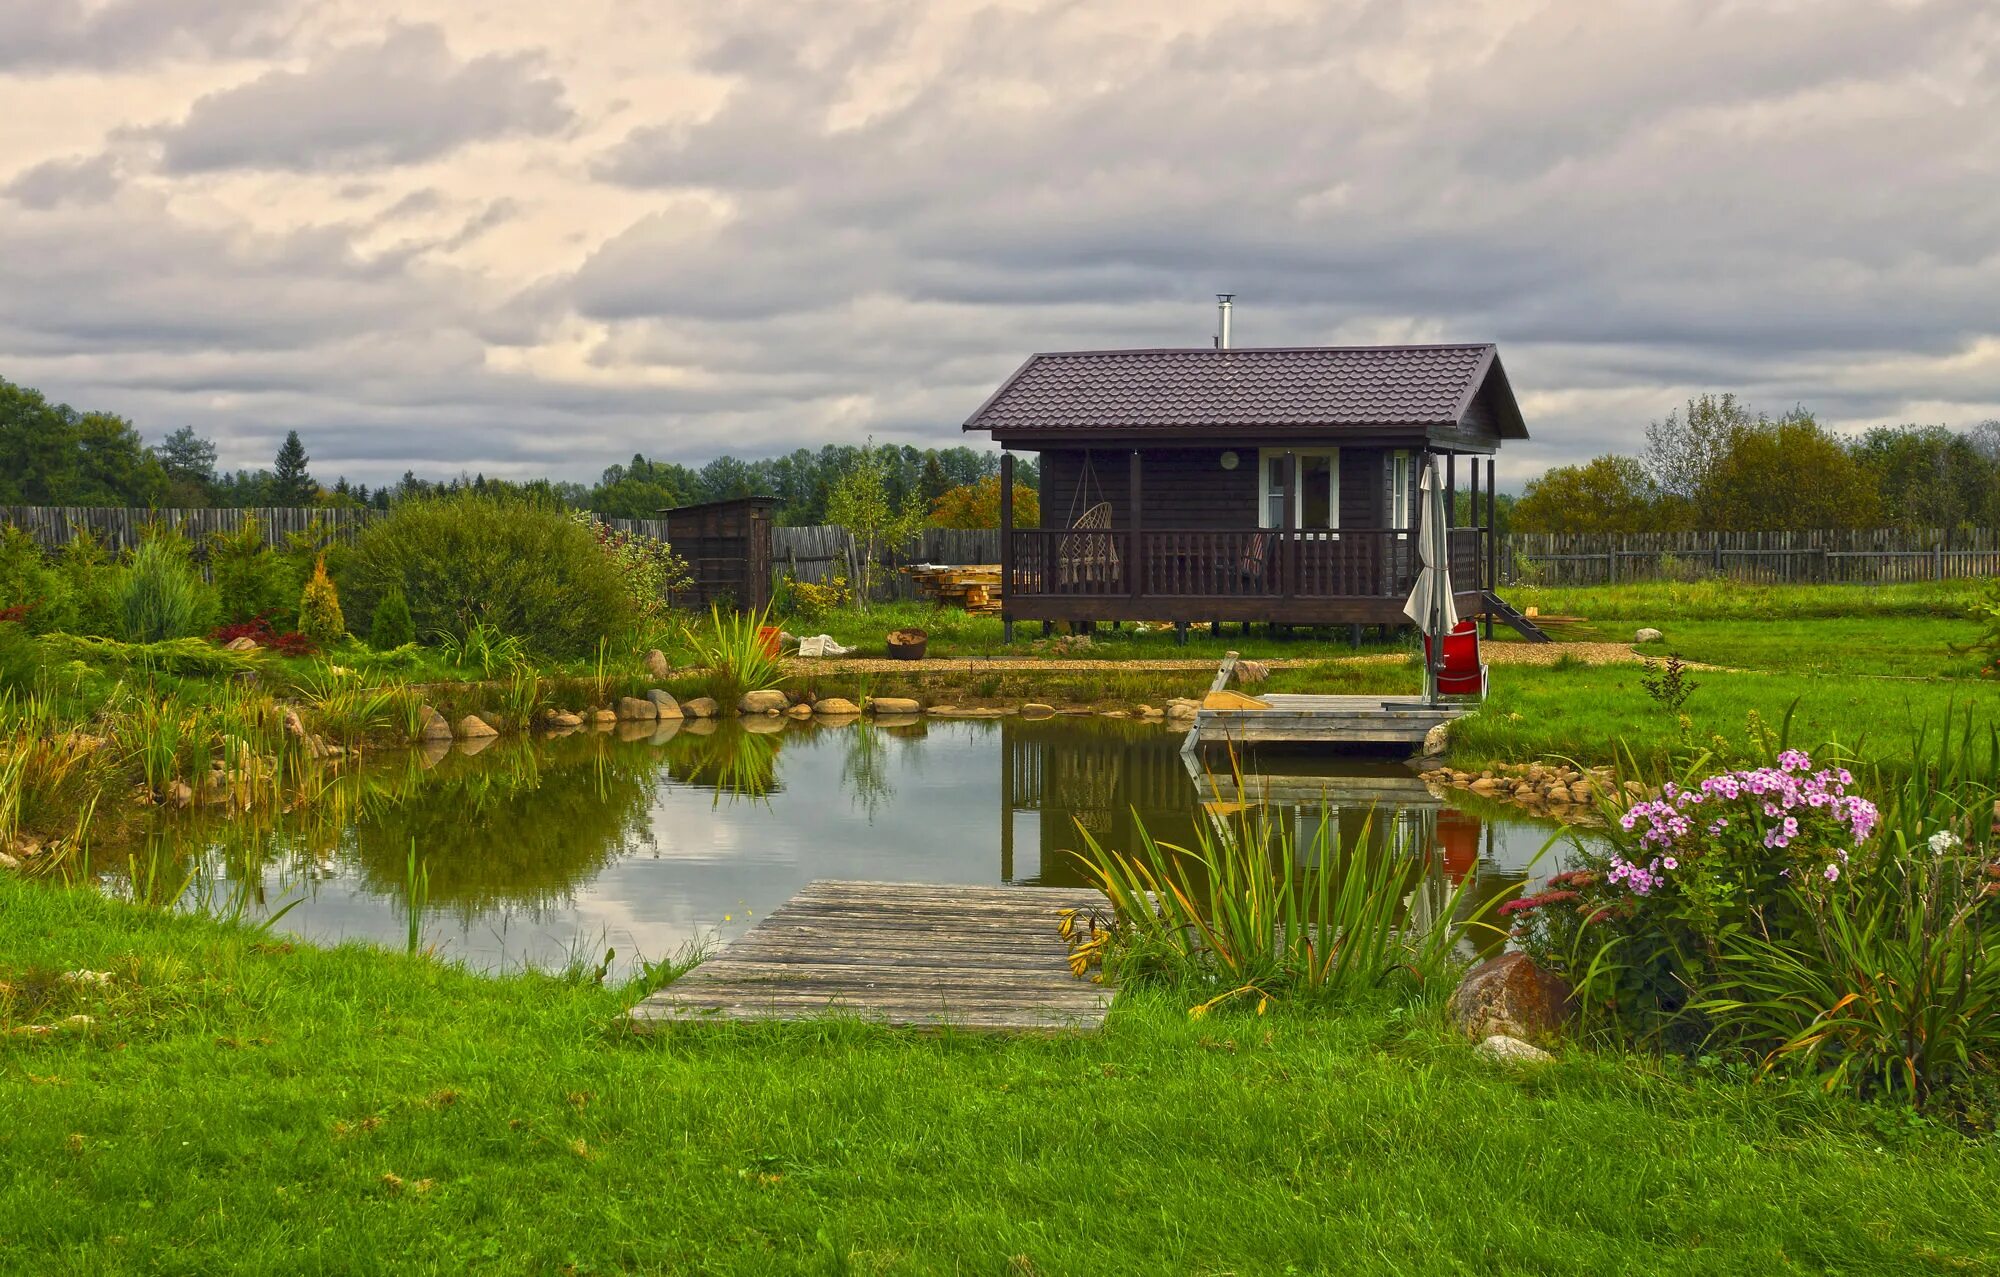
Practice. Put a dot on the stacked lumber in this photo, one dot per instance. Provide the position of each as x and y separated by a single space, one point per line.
972 586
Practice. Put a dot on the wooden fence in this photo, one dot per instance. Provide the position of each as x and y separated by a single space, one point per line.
820 553
1867 555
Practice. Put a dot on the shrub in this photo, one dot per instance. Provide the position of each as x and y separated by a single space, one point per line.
1641 927
523 570
29 586
652 573
319 609
391 626
810 601
250 579
160 595
92 583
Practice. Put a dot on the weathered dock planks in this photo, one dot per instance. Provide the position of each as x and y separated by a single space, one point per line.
901 954
1333 720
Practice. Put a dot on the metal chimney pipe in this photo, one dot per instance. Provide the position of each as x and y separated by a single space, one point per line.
1222 301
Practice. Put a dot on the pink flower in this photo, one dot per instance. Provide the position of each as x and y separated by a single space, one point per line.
1833 873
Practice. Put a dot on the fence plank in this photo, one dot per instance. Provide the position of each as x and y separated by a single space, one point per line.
1856 555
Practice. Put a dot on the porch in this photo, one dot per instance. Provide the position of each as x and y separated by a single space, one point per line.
1358 576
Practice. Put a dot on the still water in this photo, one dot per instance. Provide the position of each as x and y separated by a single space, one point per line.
534 853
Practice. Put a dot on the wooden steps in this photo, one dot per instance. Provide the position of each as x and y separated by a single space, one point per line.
901 954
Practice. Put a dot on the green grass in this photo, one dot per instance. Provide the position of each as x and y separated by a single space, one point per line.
1899 647
241 1105
1659 602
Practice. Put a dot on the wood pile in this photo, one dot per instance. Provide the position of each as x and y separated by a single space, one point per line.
972 586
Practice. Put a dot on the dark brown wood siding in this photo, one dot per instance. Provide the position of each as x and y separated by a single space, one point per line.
1188 488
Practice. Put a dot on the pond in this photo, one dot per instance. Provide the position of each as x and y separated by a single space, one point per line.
538 853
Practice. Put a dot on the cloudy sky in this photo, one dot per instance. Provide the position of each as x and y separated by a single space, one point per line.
531 238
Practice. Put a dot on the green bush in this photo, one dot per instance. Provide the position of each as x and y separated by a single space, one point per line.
523 570
29 584
250 579
391 626
161 596
92 582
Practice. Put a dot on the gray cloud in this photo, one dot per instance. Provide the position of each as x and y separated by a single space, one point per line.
78 180
399 101
58 34
858 225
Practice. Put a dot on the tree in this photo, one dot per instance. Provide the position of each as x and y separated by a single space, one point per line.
861 503
1788 474
189 461
977 505
1682 451
290 482
37 446
1930 476
1606 494
934 483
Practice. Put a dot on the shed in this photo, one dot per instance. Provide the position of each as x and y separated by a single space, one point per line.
727 546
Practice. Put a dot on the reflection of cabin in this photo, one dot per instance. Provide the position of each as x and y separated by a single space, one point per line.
1090 774
727 546
1244 484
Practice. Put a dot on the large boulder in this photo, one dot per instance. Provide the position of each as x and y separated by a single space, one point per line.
473 727
1509 996
432 725
767 701
894 705
1648 635
658 666
1437 740
633 707
1036 709
1251 673
243 644
701 707
835 707
665 705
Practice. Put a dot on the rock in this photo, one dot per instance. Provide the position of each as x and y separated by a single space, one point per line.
178 794
432 725
603 717
665 704
1251 673
243 644
294 726
1501 1049
835 707
942 711
633 708
1148 711
1648 635
473 727
701 707
893 705
1437 740
657 665
1510 995
1035 709
799 711
1485 785
561 720
9 862
768 701
762 723
1115 713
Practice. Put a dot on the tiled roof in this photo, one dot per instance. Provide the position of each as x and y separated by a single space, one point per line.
1268 388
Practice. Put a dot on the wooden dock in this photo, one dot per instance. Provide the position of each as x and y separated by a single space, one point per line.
902 954
1324 720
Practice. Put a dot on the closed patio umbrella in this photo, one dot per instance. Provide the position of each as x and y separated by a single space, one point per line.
1430 604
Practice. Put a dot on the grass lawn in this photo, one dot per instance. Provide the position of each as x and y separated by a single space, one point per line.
245 1105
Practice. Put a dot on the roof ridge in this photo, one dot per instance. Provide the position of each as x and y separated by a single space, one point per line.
1378 348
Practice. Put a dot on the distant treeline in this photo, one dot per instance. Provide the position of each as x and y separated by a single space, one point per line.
54 455
1720 466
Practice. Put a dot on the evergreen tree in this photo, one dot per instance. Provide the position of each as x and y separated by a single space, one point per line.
290 483
189 460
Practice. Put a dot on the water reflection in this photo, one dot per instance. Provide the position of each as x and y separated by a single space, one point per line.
646 838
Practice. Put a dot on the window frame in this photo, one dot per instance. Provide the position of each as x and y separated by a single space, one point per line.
1266 519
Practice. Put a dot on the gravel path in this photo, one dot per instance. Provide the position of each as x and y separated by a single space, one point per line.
1494 653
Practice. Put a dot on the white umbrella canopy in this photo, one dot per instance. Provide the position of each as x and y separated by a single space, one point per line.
1431 604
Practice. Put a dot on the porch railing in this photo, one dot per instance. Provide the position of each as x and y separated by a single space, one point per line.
1239 563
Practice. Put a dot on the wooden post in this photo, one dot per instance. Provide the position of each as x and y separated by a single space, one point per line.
1134 567
1289 519
1492 541
1006 546
1450 489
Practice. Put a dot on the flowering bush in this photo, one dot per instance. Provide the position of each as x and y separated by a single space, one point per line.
1641 926
810 601
651 571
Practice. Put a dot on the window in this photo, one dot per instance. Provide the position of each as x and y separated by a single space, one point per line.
1315 489
1399 491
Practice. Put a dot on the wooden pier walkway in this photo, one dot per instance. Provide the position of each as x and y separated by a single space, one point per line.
904 954
1237 718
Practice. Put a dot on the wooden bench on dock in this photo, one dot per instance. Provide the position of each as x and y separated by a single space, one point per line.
901 954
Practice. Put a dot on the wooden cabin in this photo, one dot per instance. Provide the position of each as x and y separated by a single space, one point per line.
727 545
1275 485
